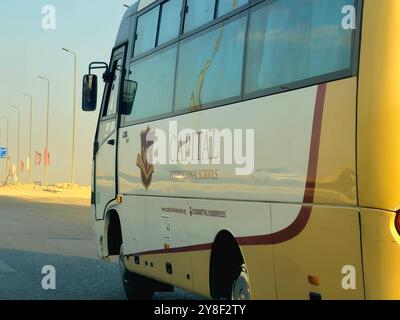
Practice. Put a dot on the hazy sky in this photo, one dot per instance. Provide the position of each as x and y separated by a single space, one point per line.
88 27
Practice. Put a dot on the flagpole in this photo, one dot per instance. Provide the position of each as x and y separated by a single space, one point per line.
8 150
30 137
19 119
46 169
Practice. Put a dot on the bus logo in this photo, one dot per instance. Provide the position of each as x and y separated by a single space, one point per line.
145 167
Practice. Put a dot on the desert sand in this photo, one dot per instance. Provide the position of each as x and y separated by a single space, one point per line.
59 193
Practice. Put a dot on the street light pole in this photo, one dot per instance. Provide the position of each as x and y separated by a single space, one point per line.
0 133
18 137
8 150
30 135
73 120
46 172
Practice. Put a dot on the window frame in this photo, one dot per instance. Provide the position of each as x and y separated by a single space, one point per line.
164 115
162 4
311 81
182 35
217 2
136 35
123 47
221 102
185 12
216 20
107 88
156 47
105 109
243 10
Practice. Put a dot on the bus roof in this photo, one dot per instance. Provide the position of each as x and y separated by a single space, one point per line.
144 3
123 32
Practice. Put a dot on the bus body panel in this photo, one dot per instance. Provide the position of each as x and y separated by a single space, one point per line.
330 241
105 175
273 179
329 237
132 213
381 251
379 107
279 176
189 227
336 177
257 226
378 147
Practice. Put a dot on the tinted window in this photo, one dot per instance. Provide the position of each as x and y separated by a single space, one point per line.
225 6
155 77
199 13
170 20
111 107
212 73
291 40
146 32
106 127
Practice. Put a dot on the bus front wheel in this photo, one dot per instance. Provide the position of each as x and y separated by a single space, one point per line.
136 287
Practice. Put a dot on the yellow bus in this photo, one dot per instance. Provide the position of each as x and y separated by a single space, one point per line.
288 111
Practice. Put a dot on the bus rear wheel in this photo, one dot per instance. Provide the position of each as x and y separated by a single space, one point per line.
241 285
136 287
229 277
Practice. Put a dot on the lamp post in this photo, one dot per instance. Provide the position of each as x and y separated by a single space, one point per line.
73 119
30 135
46 171
18 137
8 150
0 133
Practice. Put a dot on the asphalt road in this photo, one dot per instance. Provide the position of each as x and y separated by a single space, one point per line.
34 235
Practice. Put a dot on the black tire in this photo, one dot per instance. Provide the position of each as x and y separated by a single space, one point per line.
136 287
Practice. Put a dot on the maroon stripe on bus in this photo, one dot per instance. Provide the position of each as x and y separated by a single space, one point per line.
305 213
315 144
199 247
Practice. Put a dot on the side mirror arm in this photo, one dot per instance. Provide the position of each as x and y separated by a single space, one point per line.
100 65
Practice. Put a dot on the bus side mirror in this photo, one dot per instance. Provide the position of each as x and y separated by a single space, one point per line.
89 92
128 97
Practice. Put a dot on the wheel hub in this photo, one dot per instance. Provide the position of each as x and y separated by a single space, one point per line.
241 287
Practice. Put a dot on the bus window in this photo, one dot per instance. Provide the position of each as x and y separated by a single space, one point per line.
199 13
225 6
155 78
213 73
146 31
169 21
291 40
111 107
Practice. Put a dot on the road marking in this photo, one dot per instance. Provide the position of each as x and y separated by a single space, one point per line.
4 267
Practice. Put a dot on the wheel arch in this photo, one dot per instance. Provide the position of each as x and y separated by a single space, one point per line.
225 261
113 232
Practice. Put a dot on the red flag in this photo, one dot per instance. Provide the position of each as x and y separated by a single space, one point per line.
46 156
38 158
21 166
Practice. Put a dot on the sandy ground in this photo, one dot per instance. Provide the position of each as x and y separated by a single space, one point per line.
60 194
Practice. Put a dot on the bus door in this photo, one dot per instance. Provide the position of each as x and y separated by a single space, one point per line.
106 140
